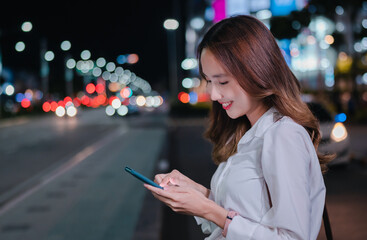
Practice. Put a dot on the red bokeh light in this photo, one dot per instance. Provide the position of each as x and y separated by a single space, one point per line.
85 100
132 58
67 99
54 106
25 103
100 88
46 106
90 88
77 102
101 99
184 97
61 103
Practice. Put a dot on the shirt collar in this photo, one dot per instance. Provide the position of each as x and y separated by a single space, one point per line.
263 123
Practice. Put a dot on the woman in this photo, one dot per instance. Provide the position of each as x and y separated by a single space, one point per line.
268 184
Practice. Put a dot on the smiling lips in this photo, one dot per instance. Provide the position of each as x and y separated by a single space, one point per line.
226 105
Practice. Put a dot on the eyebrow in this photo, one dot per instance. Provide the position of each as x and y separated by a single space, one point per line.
219 75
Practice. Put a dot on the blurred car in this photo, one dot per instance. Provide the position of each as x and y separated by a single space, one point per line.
334 135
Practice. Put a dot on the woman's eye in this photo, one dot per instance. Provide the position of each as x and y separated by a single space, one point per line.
223 83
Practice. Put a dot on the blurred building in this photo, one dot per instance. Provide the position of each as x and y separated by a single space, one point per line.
324 42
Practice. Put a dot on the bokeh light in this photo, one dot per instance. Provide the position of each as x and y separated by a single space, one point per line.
70 63
85 54
9 89
25 103
126 92
110 67
60 111
54 106
184 97
101 62
171 24
122 110
110 111
140 101
100 88
20 46
27 26
46 106
65 45
49 56
341 117
116 103
132 58
71 111
90 88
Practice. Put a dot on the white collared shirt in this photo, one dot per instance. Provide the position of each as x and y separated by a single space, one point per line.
278 154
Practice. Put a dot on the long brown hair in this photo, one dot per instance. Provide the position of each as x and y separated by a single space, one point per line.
249 52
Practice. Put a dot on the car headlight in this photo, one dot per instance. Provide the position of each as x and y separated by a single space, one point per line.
339 132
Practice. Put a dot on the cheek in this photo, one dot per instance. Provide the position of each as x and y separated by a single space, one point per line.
241 95
208 90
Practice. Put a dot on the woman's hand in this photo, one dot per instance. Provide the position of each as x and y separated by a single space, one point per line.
181 199
185 196
177 178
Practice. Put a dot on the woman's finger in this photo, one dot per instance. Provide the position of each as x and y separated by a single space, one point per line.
159 177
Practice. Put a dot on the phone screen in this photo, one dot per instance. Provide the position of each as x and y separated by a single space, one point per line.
142 177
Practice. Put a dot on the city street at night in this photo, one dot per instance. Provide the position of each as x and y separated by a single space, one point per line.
88 91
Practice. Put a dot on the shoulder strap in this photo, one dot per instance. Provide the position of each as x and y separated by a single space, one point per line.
325 216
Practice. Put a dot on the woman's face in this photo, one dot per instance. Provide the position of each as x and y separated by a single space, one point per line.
224 89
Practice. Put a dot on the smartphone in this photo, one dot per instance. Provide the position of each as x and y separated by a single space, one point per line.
141 177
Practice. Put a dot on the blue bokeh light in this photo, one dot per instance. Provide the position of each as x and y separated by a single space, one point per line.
341 117
193 97
19 97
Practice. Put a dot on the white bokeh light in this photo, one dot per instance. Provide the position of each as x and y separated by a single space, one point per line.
20 46
65 45
171 24
60 111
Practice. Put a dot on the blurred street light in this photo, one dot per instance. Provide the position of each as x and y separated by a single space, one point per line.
45 70
49 56
197 23
101 62
65 45
20 46
69 65
85 55
171 25
27 26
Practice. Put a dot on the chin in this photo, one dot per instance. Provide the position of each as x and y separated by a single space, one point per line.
233 116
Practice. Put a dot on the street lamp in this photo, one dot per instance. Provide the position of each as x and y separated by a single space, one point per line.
171 25
68 61
45 56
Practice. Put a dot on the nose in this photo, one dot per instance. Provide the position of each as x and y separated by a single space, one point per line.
214 93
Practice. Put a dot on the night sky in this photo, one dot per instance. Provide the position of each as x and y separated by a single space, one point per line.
107 29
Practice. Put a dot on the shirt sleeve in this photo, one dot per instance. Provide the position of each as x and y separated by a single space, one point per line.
207 227
285 161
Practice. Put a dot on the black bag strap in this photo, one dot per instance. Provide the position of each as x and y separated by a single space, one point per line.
325 217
